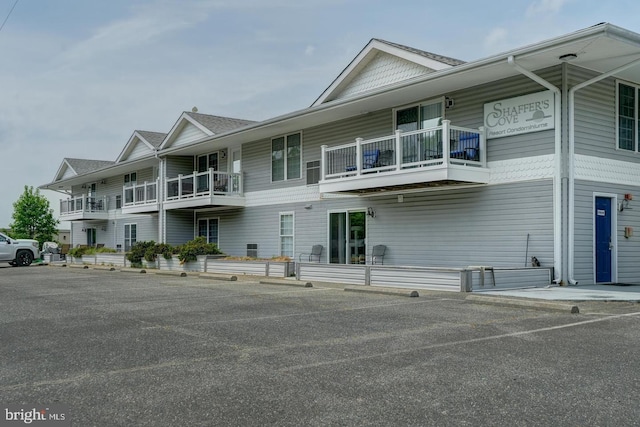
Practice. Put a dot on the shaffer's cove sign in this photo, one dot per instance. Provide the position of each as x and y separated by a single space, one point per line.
523 114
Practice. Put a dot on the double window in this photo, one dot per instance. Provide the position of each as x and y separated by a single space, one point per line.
286 234
130 236
130 179
628 120
208 228
286 157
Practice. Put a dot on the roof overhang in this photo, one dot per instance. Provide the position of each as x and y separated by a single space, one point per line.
102 173
600 48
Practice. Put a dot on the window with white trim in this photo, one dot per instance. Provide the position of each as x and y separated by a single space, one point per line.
209 228
286 157
130 236
628 123
286 234
130 179
313 172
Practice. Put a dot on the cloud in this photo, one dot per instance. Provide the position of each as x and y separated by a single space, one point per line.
496 40
309 50
541 7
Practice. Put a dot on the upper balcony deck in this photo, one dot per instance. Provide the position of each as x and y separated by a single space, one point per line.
83 207
204 189
406 160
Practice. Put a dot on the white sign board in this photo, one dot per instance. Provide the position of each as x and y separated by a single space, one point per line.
523 114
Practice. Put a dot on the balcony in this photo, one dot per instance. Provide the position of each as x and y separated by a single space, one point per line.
83 208
406 160
140 198
204 189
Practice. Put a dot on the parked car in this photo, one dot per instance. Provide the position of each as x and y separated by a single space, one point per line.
18 252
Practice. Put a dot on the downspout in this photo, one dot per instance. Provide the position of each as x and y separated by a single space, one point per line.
160 195
572 150
557 169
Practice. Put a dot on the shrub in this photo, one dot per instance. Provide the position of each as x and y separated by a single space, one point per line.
198 246
79 251
139 250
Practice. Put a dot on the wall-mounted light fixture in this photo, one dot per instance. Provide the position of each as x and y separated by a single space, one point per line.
624 204
448 102
309 206
104 181
371 212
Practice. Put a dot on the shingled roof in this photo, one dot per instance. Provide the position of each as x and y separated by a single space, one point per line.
153 138
218 124
83 166
434 56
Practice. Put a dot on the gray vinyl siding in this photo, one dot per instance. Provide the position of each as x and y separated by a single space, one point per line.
468 111
177 165
188 133
628 249
595 118
180 226
449 228
139 150
256 156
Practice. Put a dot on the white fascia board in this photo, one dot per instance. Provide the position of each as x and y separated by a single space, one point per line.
175 130
131 144
61 170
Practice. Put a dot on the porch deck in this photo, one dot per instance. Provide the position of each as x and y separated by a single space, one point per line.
83 208
200 189
405 160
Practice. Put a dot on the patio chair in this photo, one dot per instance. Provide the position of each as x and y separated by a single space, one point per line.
369 160
64 250
468 147
316 251
377 254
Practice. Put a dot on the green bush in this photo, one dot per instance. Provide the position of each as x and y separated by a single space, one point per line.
89 250
198 246
139 251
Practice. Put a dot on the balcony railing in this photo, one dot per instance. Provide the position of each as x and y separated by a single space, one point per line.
207 183
82 205
140 194
422 148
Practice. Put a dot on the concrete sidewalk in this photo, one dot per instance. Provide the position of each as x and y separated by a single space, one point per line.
630 293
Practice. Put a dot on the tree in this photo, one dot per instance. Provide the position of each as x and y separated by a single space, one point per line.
33 218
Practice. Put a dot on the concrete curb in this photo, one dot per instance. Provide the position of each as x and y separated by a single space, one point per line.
104 268
217 276
411 293
57 265
78 266
287 283
517 302
132 270
171 273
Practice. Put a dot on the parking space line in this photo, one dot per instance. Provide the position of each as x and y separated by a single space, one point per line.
453 343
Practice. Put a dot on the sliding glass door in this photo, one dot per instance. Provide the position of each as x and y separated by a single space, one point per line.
347 237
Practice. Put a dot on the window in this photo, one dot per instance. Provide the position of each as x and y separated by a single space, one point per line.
628 121
286 234
119 201
130 236
208 228
313 172
207 162
286 153
418 116
130 179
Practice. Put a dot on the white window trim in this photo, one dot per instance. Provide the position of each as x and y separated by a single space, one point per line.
302 162
636 143
418 104
306 169
208 218
130 183
125 234
293 235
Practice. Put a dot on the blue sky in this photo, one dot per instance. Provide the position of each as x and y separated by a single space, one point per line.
77 77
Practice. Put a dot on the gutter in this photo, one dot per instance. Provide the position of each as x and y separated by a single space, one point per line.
572 150
557 169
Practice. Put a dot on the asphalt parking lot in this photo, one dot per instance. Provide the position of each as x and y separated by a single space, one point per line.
124 349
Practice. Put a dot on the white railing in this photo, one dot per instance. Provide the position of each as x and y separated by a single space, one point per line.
206 183
83 204
406 150
140 194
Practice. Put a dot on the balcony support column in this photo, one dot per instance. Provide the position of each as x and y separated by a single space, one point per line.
398 149
359 155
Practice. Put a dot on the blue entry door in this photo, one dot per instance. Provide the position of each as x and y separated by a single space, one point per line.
604 245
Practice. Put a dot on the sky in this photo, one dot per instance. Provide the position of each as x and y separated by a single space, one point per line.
77 77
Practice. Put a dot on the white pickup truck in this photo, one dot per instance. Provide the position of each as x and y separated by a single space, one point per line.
18 252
